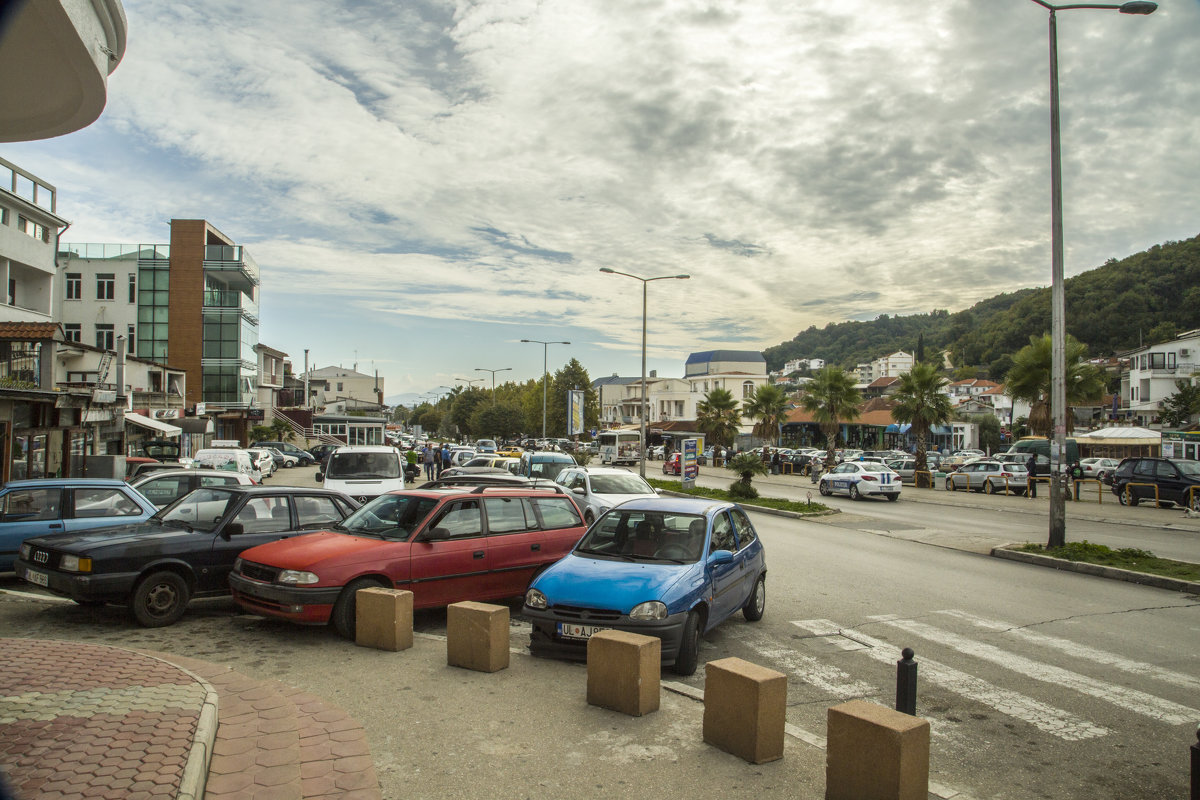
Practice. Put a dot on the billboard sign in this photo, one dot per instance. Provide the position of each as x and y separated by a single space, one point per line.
574 412
691 468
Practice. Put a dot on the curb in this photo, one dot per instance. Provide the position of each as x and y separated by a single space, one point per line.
1112 573
763 509
195 771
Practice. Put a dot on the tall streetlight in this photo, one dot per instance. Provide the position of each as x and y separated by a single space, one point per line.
545 374
493 371
469 381
642 413
1058 366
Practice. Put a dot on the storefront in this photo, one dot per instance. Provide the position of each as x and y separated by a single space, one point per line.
43 435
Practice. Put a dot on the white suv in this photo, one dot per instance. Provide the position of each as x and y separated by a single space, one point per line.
597 489
363 471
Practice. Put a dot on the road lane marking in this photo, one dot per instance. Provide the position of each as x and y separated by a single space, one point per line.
806 669
1081 651
1120 696
1043 717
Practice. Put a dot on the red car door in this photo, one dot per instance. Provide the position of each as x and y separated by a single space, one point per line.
449 557
516 547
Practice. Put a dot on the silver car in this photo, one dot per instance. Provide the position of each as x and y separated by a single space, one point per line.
597 489
989 476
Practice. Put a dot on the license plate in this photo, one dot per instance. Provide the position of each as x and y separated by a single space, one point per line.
568 630
40 578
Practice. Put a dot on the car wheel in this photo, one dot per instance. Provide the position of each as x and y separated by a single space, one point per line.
823 488
345 609
989 488
160 599
756 603
950 487
689 647
893 497
854 493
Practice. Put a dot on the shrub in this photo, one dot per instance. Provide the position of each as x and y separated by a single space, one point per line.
742 491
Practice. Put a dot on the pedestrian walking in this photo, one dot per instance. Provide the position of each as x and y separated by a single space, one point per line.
444 459
1076 475
427 459
1030 466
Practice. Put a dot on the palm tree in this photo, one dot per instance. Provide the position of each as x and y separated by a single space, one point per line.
718 417
768 405
1029 380
921 403
831 398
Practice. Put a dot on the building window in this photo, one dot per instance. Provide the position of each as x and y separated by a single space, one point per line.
747 389
1158 360
132 336
106 286
3 216
104 337
132 291
73 331
74 286
12 291
31 228
1170 361
339 387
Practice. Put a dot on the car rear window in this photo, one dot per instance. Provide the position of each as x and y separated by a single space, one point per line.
508 515
557 512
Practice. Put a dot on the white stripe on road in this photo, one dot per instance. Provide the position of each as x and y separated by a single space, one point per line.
804 668
1043 717
1081 651
1120 696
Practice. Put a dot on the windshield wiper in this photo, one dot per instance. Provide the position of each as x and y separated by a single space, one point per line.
591 552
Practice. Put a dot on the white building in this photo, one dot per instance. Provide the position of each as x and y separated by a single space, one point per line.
270 374
892 366
1152 374
29 230
798 364
339 389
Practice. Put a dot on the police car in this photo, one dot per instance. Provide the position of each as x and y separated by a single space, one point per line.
860 479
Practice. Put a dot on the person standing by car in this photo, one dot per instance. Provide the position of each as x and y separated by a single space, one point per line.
427 456
444 458
1076 475
1030 466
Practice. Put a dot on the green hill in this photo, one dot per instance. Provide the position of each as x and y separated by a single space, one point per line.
1146 297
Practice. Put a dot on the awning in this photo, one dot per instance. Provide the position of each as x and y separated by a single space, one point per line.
152 424
941 430
196 425
897 428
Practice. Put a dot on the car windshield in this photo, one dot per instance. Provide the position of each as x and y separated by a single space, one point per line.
620 484
363 465
1189 468
632 535
548 469
201 510
389 516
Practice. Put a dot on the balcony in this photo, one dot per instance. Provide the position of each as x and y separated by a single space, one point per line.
233 264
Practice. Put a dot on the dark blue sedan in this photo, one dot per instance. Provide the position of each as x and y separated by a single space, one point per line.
674 568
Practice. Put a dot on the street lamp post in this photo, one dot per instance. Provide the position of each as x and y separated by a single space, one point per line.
545 374
469 381
642 412
493 371
1058 387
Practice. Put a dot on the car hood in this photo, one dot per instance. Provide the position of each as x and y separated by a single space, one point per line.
601 583
115 536
307 551
610 500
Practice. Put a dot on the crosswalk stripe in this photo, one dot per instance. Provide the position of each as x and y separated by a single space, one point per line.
1043 717
1120 696
1080 651
807 669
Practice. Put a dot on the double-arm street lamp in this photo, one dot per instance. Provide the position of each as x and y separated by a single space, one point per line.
493 371
1058 387
469 381
642 414
545 375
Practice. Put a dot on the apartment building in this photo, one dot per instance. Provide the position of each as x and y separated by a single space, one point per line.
1152 374
339 389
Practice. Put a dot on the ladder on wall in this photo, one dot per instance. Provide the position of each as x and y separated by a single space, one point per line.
102 368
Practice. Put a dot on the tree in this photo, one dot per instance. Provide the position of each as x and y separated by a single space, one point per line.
831 398
1179 408
769 406
989 430
463 407
262 433
502 420
1029 380
919 354
747 465
282 430
718 417
920 402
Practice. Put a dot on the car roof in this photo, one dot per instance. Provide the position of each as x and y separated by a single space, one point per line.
64 482
365 448
161 473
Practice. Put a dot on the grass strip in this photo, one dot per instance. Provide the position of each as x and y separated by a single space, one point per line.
1129 558
776 503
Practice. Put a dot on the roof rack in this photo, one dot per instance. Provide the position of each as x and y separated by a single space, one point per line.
480 489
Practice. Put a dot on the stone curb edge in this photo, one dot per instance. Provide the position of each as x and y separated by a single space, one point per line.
195 771
1112 573
762 509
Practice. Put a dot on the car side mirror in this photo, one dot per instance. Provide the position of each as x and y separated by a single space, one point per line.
579 490
318 477
718 557
435 535
234 529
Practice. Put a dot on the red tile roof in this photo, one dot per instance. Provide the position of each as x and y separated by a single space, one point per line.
29 331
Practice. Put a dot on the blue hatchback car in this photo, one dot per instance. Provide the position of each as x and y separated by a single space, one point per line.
64 505
674 568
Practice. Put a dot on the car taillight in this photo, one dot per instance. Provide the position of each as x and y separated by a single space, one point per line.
869 478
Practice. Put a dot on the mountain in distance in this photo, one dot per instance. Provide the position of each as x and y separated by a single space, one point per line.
408 399
1144 298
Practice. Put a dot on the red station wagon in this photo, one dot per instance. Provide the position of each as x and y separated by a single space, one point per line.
443 545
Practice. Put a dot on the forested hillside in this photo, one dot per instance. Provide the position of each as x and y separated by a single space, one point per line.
1147 297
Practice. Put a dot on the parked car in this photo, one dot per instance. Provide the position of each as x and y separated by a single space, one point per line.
64 505
597 489
656 453
320 452
860 479
510 451
673 465
283 460
264 462
165 487
1135 479
1098 468
363 471
485 462
157 566
989 476
486 446
671 568
229 458
442 544
459 456
138 468
544 465
303 456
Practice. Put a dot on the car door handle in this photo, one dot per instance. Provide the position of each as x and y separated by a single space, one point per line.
478 554
54 527
535 547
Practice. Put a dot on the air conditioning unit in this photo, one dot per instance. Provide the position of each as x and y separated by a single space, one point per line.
1184 351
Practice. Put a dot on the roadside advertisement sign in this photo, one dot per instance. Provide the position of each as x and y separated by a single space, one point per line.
690 469
574 412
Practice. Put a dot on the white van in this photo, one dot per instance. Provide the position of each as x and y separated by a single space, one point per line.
363 471
228 458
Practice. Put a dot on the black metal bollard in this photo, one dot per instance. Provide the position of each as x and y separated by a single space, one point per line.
1196 766
906 684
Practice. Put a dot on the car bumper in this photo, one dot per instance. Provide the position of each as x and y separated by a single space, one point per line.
546 641
112 587
306 606
865 488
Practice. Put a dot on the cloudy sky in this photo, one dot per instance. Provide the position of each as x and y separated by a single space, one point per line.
426 183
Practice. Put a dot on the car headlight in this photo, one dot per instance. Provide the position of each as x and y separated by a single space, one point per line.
535 599
26 551
649 610
296 577
75 564
237 565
